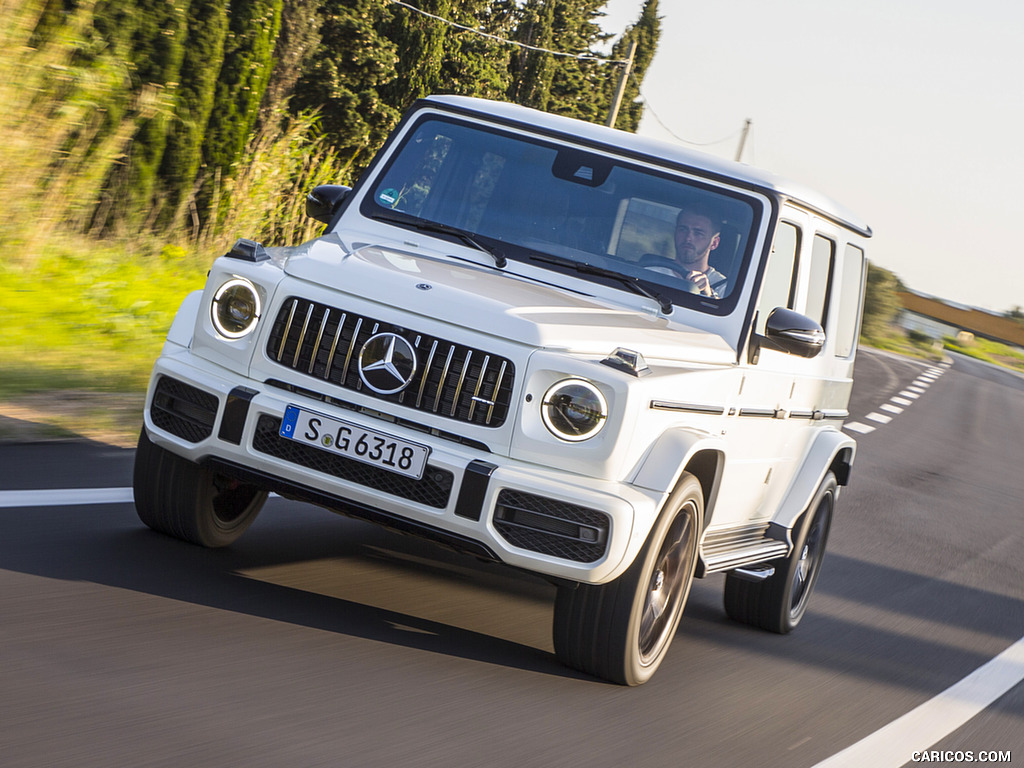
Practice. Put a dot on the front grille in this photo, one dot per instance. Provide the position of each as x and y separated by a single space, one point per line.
451 380
183 410
551 527
432 490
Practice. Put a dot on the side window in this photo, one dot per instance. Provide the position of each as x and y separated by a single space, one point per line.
849 300
823 256
777 288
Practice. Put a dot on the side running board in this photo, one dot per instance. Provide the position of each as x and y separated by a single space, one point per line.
736 549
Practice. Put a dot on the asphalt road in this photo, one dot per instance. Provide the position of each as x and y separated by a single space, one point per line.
321 641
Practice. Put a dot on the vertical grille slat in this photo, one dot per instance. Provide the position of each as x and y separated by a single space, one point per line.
287 329
451 380
316 344
444 377
462 379
334 344
302 336
476 389
494 392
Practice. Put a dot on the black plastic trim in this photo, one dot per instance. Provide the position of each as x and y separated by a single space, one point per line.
299 492
474 488
236 411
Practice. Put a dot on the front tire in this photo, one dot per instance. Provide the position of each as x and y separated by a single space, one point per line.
779 602
621 631
188 501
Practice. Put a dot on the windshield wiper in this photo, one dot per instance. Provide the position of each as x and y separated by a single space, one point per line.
426 225
633 283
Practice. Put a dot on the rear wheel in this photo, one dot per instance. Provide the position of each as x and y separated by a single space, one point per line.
190 502
778 603
621 631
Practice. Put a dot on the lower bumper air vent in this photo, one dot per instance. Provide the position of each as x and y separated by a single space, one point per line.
551 527
183 410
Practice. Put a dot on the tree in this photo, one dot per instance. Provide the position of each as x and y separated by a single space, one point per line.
577 84
298 41
475 65
437 57
253 27
531 70
343 80
207 28
149 35
881 304
646 32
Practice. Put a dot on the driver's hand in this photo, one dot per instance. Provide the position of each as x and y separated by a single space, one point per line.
701 281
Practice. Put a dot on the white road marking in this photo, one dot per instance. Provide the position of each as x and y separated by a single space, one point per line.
64 497
890 408
856 426
881 418
901 401
894 744
908 393
68 497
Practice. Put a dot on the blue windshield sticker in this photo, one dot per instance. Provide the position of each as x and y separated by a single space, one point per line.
388 196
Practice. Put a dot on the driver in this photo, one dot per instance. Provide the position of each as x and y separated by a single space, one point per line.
697 234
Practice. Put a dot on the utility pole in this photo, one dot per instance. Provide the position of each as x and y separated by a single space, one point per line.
743 139
613 113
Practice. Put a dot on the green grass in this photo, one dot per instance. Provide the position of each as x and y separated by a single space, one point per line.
990 352
895 340
89 315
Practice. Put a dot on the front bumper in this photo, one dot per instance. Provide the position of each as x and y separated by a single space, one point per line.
549 522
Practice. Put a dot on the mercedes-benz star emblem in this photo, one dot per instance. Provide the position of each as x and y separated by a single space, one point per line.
387 363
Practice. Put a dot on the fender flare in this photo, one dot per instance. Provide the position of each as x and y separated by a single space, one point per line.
184 323
830 450
679 449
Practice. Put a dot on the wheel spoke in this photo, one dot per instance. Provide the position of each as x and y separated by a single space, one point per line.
664 591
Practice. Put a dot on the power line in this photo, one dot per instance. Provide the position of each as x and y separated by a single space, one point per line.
673 134
580 56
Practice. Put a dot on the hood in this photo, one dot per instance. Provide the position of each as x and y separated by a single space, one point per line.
504 304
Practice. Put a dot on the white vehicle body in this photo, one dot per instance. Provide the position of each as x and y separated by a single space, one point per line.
698 390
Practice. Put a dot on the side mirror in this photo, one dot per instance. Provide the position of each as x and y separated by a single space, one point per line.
791 332
325 200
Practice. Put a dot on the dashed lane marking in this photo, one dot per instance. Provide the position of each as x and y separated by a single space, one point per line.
899 403
65 497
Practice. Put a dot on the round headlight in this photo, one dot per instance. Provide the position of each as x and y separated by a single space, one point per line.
235 309
574 410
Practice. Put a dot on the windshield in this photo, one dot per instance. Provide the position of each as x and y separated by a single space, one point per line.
526 198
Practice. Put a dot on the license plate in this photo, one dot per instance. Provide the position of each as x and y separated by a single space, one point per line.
354 442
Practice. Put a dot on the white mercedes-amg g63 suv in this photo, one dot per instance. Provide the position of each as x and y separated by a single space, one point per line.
606 360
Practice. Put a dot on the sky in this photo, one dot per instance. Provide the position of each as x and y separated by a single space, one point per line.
910 113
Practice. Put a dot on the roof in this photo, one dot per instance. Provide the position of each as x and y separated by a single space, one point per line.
631 143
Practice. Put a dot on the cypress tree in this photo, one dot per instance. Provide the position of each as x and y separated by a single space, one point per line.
151 34
420 42
298 41
475 65
207 28
646 32
253 27
577 84
532 71
437 57
343 79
